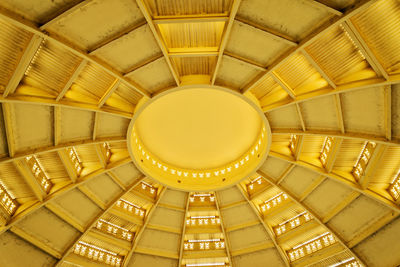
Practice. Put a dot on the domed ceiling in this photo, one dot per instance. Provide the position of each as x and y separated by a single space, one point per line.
199 133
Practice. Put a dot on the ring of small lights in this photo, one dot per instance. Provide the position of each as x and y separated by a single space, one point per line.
196 179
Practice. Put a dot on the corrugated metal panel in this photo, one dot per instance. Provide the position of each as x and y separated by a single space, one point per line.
194 65
285 215
104 245
379 26
298 73
337 258
188 7
206 34
51 68
312 145
12 43
93 81
308 235
348 154
339 57
87 154
53 167
389 167
14 182
127 93
264 87
120 222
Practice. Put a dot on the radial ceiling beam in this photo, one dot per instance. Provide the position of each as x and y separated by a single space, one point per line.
312 187
373 163
23 64
333 154
67 188
301 119
183 230
117 36
313 214
388 111
324 7
65 14
225 37
345 181
57 125
339 113
282 84
318 67
31 27
9 130
71 79
355 35
270 32
336 134
266 227
243 60
227 244
141 230
354 10
30 179
160 42
109 92
94 221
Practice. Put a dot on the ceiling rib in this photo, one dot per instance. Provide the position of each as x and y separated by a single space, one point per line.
141 230
160 42
388 111
316 66
71 80
310 38
323 6
30 179
93 222
9 130
190 18
23 64
353 185
224 40
272 33
109 92
227 244
284 85
303 125
63 190
57 125
316 217
267 229
65 14
339 113
183 231
31 27
244 60
116 36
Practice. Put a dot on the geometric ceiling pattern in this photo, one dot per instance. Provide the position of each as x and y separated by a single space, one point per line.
325 73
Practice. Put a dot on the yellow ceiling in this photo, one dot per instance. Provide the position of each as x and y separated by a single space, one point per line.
74 73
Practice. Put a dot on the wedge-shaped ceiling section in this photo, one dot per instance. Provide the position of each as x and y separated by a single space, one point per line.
107 19
292 19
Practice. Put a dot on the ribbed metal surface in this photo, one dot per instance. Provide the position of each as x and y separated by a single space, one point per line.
389 167
206 34
379 26
337 258
348 154
51 68
128 94
104 245
265 86
337 55
94 81
297 71
120 222
12 44
308 235
312 145
53 167
195 65
87 154
188 7
14 182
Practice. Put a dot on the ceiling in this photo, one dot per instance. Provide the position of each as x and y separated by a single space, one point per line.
325 73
